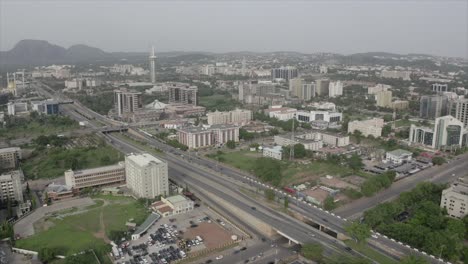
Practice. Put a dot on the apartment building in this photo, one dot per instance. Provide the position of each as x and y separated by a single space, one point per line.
460 111
10 186
285 73
96 177
183 93
367 127
126 102
238 116
146 175
321 87
455 198
383 99
433 106
10 157
378 88
439 88
335 89
405 75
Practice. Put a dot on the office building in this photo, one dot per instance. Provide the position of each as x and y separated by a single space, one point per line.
47 107
335 89
378 88
10 186
146 175
126 102
433 106
327 116
10 157
215 135
405 75
384 99
455 198
152 63
173 205
96 177
183 93
439 88
285 73
281 113
321 87
238 117
459 110
369 127
447 133
275 152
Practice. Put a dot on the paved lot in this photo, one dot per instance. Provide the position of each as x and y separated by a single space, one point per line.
24 227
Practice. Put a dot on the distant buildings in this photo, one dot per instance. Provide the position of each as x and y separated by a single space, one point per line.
321 87
11 188
378 88
400 104
285 73
439 88
433 106
384 99
367 127
327 116
46 107
238 117
183 93
126 102
10 157
447 132
455 198
295 86
335 89
274 152
405 75
259 93
215 135
96 177
460 111
281 113
146 175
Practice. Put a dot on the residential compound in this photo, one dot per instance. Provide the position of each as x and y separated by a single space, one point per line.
10 157
447 132
238 117
455 198
10 186
313 140
146 175
183 93
215 135
96 177
367 127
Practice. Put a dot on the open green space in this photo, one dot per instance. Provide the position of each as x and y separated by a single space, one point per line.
88 230
220 102
53 162
35 125
370 253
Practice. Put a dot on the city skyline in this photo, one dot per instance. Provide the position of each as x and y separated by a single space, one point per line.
429 27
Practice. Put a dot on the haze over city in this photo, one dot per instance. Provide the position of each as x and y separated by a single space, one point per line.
431 27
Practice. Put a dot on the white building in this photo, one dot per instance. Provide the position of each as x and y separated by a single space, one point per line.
460 111
405 75
274 152
440 88
215 135
11 188
378 88
455 198
447 132
146 175
335 89
383 99
238 117
173 205
281 113
327 116
398 156
367 127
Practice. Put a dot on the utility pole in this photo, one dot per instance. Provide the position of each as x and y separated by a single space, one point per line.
291 147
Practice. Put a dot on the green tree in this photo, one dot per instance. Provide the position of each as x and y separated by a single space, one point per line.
329 203
268 170
269 194
299 151
47 255
355 162
360 232
386 130
286 203
438 160
312 251
231 144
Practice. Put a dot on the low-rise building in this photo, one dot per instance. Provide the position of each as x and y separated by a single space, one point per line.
238 117
215 135
10 157
398 156
367 127
281 113
274 152
400 104
455 198
96 177
313 140
327 116
17 108
174 205
10 186
58 192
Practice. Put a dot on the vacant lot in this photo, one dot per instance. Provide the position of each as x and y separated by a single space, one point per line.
31 127
213 235
89 229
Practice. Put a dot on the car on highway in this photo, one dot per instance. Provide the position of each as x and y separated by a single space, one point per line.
219 257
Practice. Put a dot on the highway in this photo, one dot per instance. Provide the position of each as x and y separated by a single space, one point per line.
221 185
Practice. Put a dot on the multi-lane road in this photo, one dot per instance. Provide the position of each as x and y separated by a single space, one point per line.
223 186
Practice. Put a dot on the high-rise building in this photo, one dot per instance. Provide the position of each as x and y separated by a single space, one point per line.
447 132
321 87
335 89
11 188
455 198
308 91
127 101
384 99
295 86
440 88
434 106
460 111
286 73
183 93
9 158
152 61
146 175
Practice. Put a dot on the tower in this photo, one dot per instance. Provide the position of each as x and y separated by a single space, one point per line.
152 61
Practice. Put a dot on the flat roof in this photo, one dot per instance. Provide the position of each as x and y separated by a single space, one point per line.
99 169
400 152
176 199
5 150
144 159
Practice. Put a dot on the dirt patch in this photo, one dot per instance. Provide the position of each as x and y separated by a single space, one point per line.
42 225
102 234
212 234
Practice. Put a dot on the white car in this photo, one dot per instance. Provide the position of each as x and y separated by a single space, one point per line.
374 236
219 257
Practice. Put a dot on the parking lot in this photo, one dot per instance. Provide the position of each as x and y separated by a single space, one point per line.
176 237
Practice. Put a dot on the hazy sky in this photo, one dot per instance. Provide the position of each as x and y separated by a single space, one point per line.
434 27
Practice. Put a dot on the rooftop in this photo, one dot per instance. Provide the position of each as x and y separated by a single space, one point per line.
400 152
6 150
176 199
150 220
120 165
143 159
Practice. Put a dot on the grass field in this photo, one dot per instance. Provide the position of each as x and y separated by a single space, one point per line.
33 127
89 229
370 253
219 102
52 163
